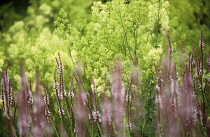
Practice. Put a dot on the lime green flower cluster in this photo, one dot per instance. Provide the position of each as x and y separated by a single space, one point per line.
114 30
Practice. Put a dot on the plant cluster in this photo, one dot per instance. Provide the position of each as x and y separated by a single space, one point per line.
94 73
81 112
180 111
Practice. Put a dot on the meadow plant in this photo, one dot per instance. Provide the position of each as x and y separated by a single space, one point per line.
179 111
118 93
87 113
7 100
106 117
81 110
40 113
46 103
103 97
134 111
24 105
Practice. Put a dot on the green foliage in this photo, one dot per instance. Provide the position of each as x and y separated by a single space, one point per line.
191 18
93 35
187 19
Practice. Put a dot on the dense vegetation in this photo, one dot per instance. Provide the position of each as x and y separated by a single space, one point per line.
105 68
